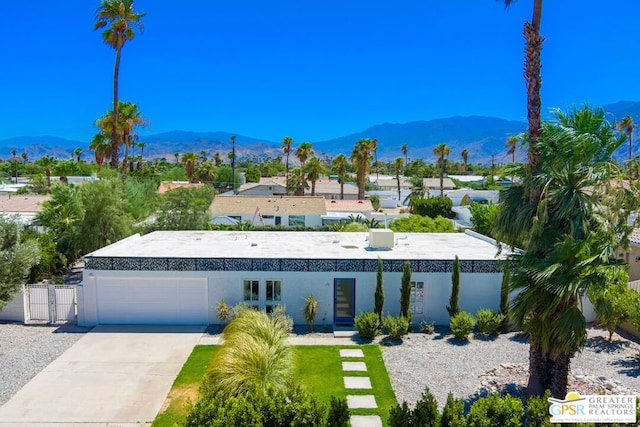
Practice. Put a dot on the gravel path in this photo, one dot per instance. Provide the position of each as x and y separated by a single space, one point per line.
483 365
26 349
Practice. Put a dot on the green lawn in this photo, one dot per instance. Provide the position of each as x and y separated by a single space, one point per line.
185 387
319 368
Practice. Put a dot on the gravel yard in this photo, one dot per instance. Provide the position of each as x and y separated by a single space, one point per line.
26 349
483 365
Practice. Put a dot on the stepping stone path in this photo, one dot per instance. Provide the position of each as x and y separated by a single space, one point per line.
358 383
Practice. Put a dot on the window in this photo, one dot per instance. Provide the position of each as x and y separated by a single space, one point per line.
252 293
296 220
262 295
416 303
274 295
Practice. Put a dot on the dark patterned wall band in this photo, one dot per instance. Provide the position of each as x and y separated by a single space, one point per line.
266 264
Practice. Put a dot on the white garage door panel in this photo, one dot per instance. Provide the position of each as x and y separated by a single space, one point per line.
136 301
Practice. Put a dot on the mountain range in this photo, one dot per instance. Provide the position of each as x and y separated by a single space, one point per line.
481 136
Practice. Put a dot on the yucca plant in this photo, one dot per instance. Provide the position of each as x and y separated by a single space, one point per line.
310 310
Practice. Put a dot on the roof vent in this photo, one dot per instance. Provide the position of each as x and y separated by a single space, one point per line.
253 244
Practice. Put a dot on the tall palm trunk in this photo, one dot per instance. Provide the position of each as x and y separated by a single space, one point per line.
630 134
534 82
559 375
286 182
442 177
341 188
538 370
115 146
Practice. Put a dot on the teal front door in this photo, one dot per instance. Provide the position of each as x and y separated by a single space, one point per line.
344 301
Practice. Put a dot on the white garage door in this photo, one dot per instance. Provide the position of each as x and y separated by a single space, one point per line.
153 301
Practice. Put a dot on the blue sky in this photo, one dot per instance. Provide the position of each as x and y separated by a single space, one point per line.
307 69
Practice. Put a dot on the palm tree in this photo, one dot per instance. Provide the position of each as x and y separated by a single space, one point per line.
78 153
303 152
374 147
121 21
217 159
465 158
15 164
141 145
233 162
315 169
361 158
101 148
205 171
131 119
532 66
569 237
340 163
441 151
626 126
190 161
405 149
397 167
418 191
512 143
177 156
46 162
287 142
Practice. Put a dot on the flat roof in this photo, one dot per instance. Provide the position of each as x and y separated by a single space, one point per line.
296 244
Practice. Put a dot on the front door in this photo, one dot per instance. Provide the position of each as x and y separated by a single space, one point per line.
344 300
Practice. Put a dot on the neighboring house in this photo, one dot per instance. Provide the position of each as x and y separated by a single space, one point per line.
262 188
271 210
276 185
390 183
632 256
26 207
179 277
166 186
340 210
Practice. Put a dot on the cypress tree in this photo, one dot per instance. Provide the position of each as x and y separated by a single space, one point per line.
504 300
405 292
453 307
379 295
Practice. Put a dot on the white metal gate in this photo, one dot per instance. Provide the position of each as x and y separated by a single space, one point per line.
51 303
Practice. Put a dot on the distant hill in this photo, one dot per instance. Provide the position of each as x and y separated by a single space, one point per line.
482 136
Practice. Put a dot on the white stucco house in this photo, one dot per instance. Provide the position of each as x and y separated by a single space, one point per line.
291 211
179 277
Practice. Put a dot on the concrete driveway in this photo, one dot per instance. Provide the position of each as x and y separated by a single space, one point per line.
115 375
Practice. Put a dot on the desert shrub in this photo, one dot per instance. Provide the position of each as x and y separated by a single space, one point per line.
452 413
368 325
538 411
375 201
489 322
254 357
427 327
483 216
310 311
396 326
273 407
426 411
614 305
224 311
493 410
462 324
354 227
279 316
434 207
400 416
422 224
338 412
239 309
